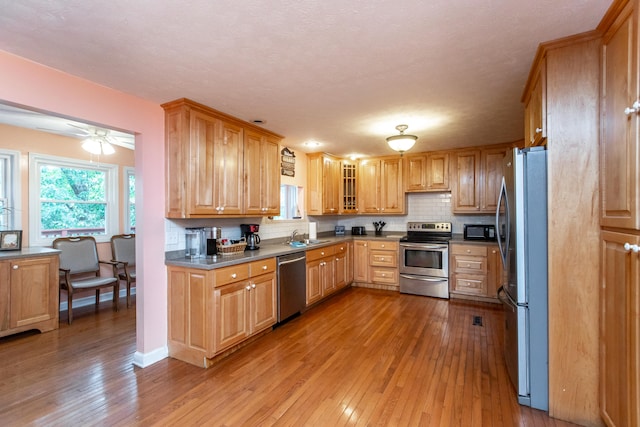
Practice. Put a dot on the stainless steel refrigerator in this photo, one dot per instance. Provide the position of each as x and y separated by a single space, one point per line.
521 220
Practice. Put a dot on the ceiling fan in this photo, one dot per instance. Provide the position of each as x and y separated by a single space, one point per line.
61 126
95 140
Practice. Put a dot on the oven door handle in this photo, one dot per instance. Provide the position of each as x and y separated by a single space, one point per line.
422 278
423 246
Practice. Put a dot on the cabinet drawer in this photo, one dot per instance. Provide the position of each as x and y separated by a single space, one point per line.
383 245
469 284
226 275
315 254
264 266
473 250
384 275
340 248
470 264
383 259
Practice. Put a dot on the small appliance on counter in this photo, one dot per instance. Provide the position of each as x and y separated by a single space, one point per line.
195 239
250 234
339 230
201 241
480 232
212 241
358 231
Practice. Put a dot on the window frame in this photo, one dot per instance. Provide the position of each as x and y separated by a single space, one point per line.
111 194
13 188
127 171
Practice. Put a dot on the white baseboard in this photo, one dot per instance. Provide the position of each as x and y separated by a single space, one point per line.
143 360
91 300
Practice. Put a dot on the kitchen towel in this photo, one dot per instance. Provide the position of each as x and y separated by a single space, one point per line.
313 230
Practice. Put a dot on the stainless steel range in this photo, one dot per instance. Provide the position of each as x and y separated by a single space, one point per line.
424 259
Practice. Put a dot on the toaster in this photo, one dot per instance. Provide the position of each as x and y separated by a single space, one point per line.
358 231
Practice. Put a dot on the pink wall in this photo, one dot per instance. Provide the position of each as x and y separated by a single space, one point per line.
42 88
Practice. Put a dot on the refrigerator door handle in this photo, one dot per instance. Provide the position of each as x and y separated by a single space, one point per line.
503 247
504 296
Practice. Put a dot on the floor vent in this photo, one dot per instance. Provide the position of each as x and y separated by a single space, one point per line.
477 320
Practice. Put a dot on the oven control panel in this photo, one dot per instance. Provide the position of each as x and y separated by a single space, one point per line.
429 227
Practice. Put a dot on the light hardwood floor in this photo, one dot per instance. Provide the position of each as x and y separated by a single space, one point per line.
365 357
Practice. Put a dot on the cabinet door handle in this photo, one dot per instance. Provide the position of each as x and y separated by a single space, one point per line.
627 247
633 109
234 275
15 267
538 130
264 267
253 286
248 288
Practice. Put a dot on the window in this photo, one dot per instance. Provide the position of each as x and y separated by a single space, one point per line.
289 206
130 205
9 190
71 197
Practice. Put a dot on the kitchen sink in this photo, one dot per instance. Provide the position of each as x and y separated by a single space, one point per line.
317 242
301 244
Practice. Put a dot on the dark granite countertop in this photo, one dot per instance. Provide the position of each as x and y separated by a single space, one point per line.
268 249
28 252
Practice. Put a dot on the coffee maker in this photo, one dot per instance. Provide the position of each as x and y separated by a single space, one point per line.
250 234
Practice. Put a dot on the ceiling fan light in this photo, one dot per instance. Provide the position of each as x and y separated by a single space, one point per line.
107 148
98 145
92 145
401 142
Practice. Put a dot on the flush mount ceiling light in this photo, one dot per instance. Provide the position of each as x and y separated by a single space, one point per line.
98 144
401 142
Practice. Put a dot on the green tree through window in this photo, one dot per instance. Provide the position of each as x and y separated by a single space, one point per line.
72 199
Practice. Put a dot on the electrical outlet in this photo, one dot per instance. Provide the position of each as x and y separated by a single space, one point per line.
172 238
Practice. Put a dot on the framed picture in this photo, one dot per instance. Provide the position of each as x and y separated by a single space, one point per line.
11 240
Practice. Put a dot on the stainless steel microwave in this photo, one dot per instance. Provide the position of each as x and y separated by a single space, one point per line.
479 232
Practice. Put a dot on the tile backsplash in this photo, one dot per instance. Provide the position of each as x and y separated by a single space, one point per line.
420 207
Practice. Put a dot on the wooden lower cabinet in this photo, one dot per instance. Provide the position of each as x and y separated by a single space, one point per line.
328 269
210 311
361 261
475 271
376 264
29 297
620 330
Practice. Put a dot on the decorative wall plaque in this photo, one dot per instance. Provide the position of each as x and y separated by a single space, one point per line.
288 162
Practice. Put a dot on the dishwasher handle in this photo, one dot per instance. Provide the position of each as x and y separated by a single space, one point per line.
289 261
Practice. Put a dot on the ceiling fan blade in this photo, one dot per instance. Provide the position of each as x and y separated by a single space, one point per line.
61 132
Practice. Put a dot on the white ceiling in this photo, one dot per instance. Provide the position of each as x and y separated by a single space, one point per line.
340 72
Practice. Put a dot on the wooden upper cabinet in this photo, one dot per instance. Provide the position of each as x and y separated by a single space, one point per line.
491 168
380 186
228 170
438 171
323 184
476 177
415 178
348 187
535 110
465 194
330 185
261 174
426 172
205 167
619 157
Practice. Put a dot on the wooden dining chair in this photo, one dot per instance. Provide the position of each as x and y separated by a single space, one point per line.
123 250
80 270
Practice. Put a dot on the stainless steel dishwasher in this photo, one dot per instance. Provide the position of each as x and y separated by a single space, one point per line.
292 285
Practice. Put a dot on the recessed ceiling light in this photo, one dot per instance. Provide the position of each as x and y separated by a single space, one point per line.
258 121
312 143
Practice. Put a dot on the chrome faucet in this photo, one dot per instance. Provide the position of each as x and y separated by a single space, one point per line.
294 233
